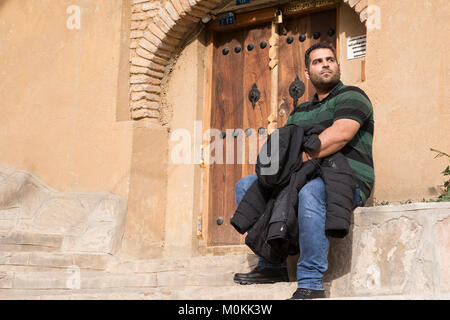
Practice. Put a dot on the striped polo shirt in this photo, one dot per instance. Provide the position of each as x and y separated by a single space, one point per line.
345 102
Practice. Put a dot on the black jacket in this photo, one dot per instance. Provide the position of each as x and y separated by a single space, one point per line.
268 211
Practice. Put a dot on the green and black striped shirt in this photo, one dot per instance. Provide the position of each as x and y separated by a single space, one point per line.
345 102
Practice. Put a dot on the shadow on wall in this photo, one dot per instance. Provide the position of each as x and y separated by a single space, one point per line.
2 2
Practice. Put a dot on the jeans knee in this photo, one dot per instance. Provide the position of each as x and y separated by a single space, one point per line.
242 186
244 183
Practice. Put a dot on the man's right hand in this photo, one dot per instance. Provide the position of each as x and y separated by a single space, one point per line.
306 157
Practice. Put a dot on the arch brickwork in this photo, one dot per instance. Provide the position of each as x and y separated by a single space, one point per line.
157 29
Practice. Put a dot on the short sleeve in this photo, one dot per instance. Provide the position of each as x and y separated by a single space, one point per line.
353 105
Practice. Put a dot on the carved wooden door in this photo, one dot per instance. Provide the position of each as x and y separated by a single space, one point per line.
242 85
240 63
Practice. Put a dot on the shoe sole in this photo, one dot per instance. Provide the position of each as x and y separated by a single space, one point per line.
248 282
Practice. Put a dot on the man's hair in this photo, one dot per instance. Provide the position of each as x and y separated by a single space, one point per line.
320 45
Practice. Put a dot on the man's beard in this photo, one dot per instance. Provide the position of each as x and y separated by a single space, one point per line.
325 85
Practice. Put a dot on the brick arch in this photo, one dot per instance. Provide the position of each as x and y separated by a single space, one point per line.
157 28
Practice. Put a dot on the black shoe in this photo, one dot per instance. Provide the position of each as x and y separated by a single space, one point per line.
262 275
302 294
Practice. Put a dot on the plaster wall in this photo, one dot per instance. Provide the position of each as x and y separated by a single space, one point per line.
407 81
185 90
59 90
145 222
349 26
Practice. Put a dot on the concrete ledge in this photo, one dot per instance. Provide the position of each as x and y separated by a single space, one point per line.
393 250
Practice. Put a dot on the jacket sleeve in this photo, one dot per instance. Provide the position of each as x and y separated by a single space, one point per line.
250 208
339 187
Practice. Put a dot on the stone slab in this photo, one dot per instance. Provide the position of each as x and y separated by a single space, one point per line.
391 250
88 222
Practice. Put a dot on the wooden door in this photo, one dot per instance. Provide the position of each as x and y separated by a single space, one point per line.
234 73
240 62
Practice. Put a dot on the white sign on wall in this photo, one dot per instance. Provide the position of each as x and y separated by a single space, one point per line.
356 47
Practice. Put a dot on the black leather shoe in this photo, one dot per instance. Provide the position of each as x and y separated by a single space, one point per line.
262 275
303 294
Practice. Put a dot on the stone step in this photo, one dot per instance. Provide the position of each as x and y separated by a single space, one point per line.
26 242
59 261
279 291
228 291
74 277
217 264
52 261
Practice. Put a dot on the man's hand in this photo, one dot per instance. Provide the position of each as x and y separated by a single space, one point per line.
306 157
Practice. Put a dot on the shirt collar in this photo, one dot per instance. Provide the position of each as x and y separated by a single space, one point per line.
315 99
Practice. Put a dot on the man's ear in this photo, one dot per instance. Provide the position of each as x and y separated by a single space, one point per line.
307 74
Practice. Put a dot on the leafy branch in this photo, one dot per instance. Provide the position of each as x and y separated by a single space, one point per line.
446 195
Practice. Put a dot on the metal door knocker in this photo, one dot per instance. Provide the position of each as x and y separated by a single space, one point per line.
254 95
296 90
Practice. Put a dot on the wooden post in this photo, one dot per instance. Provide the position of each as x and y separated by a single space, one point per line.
273 64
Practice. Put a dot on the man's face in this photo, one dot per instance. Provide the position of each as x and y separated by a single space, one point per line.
324 71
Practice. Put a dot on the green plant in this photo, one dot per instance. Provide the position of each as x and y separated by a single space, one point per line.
445 196
377 203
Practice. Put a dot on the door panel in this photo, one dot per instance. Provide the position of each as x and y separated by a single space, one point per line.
256 71
234 75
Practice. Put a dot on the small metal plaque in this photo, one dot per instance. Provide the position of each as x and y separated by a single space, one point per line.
356 47
241 2
226 19
298 6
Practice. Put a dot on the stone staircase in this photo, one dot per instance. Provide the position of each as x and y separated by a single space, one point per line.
30 273
32 268
57 245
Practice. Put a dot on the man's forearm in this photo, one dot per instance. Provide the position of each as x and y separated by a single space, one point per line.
328 146
334 138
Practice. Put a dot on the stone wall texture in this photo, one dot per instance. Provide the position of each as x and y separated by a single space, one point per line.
84 222
393 250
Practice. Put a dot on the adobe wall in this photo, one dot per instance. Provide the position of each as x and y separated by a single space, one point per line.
59 84
407 80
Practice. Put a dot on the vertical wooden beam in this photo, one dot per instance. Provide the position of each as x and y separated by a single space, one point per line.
274 56
338 30
363 70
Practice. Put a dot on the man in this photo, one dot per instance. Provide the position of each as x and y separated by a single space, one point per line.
347 114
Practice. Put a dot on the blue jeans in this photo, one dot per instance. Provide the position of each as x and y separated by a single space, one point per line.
313 242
